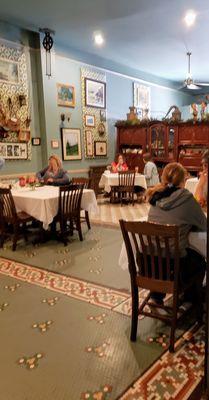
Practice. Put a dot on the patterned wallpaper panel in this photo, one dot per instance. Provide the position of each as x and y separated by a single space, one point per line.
10 92
97 76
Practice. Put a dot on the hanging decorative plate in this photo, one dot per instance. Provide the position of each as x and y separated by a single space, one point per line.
101 129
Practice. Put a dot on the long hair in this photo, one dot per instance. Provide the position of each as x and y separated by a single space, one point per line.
174 174
57 159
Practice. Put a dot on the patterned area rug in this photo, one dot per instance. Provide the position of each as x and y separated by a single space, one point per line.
95 259
66 338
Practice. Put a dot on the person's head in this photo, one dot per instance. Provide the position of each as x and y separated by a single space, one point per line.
121 159
204 160
55 162
147 157
174 174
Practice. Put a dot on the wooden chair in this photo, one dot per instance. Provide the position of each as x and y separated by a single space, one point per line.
69 211
125 189
9 216
152 267
86 182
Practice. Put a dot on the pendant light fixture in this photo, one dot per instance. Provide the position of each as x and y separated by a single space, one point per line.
47 45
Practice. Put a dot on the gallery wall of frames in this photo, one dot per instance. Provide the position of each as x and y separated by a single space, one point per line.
15 136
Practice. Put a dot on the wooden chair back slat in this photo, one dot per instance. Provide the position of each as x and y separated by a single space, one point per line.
160 259
167 252
151 254
144 267
7 209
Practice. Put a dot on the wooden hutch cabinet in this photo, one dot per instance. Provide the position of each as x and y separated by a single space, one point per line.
184 142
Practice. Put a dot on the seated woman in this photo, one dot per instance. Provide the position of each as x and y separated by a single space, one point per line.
120 165
150 170
171 203
54 174
201 191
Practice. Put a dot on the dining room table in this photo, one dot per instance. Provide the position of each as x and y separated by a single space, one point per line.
42 202
109 179
191 184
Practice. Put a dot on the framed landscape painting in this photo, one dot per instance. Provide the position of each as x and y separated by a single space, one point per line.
65 95
9 72
90 120
71 144
95 93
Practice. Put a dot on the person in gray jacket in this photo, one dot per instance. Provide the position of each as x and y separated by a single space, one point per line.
54 173
171 203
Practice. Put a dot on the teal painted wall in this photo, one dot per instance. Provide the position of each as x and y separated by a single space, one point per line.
119 98
45 113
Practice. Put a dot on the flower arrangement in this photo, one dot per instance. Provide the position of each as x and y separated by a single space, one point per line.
32 182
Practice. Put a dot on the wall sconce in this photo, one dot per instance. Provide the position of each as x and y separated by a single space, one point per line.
47 45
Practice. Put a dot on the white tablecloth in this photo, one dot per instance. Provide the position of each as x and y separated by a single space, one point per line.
109 179
197 241
42 203
191 184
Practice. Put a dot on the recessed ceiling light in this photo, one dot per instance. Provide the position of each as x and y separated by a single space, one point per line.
190 18
98 39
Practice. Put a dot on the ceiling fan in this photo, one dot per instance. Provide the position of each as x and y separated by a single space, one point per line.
189 82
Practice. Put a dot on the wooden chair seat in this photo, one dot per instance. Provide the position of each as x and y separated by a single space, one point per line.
154 264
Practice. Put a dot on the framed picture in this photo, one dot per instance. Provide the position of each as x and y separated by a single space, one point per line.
142 99
71 144
89 143
100 148
103 116
95 93
90 120
36 141
24 135
55 144
65 95
9 71
14 151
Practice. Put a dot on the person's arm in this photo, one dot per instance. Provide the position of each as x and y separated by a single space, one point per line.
196 216
2 162
40 174
62 180
200 189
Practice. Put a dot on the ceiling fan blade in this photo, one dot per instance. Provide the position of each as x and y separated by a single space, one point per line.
202 83
192 86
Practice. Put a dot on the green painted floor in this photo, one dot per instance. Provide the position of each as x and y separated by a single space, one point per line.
71 364
95 259
84 350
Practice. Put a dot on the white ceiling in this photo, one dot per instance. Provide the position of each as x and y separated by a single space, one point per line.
147 35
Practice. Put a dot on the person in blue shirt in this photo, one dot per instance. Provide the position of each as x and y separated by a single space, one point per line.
2 162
